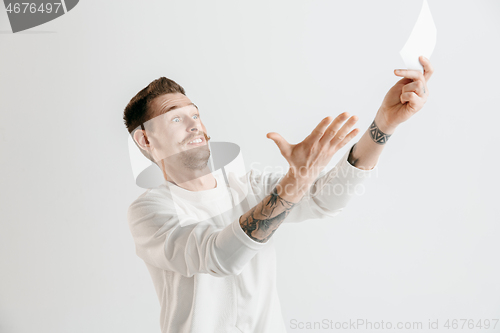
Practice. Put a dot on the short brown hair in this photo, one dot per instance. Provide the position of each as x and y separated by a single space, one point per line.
138 110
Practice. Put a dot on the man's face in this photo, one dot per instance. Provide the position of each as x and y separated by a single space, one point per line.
171 132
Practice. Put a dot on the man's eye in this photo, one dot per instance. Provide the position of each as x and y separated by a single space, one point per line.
177 119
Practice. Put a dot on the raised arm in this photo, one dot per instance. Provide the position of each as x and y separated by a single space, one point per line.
402 101
307 159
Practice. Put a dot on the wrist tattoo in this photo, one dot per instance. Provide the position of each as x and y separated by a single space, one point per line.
377 135
261 216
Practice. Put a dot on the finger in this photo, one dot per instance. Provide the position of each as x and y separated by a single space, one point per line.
410 74
347 138
418 87
320 129
282 144
343 132
428 69
409 97
334 127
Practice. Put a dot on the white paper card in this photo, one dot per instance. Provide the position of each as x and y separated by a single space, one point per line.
422 39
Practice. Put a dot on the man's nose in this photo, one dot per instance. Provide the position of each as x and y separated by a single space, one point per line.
193 126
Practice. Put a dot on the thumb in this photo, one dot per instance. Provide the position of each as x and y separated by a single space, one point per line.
282 144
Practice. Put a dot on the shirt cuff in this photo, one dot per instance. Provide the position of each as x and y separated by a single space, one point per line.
235 249
346 158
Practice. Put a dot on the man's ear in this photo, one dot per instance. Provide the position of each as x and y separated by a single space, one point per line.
141 139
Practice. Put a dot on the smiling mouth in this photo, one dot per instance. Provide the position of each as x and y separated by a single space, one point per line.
196 142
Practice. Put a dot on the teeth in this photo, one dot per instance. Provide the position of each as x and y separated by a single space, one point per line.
196 141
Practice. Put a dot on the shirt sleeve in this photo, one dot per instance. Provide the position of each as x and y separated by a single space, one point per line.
327 196
176 243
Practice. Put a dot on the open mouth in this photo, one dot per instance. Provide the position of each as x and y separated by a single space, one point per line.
199 141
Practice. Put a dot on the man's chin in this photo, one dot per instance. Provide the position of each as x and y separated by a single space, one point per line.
196 157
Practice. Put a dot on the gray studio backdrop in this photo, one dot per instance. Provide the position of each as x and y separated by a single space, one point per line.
420 244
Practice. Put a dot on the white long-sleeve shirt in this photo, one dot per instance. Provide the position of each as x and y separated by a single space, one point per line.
208 274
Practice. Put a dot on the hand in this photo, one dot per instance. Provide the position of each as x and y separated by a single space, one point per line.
308 158
407 96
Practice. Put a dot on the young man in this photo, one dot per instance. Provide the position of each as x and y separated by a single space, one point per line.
213 262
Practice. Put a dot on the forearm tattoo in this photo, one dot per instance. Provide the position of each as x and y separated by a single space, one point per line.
377 135
266 217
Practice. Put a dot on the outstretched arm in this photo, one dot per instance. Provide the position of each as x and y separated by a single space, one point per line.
307 159
402 101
